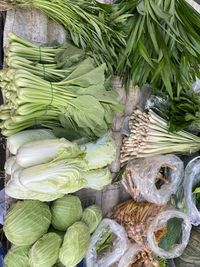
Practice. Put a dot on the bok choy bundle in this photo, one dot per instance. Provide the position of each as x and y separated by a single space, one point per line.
82 101
58 167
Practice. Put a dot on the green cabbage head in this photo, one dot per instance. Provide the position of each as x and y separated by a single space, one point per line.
92 216
26 222
66 211
17 257
44 253
75 244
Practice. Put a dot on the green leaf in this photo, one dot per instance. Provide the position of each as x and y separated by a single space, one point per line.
144 53
86 111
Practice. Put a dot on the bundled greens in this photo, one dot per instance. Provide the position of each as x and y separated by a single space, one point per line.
163 45
27 221
90 24
57 167
149 136
144 41
79 102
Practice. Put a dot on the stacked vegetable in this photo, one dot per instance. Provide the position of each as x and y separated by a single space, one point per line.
146 41
45 169
35 243
57 88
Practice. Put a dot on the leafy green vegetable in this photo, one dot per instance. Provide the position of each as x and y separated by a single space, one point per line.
26 221
101 153
44 253
162 45
17 257
106 240
80 99
68 168
172 235
66 211
75 244
92 216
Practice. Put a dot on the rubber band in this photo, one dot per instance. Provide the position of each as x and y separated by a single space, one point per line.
40 52
44 71
52 94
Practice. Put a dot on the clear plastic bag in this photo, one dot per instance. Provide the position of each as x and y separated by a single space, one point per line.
159 221
192 178
112 254
145 174
129 255
196 86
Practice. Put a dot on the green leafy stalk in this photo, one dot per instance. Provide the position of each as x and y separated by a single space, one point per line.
73 94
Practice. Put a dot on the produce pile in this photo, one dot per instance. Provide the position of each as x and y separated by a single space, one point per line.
69 129
43 235
46 169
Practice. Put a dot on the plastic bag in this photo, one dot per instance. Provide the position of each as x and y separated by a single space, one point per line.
192 178
129 255
196 86
145 173
109 256
161 220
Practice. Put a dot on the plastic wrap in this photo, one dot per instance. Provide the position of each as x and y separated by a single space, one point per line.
145 172
192 178
161 220
129 255
110 256
196 86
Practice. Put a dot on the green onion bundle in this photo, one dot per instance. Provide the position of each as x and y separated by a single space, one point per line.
79 101
149 136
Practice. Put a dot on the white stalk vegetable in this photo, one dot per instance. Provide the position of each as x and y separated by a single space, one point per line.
17 140
10 162
43 151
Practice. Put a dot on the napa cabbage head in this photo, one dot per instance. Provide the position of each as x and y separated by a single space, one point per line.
97 179
64 177
43 151
26 221
75 244
66 211
15 141
101 153
17 257
44 253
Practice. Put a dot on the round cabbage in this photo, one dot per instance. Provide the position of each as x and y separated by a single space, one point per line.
44 253
75 244
26 222
92 217
17 257
66 211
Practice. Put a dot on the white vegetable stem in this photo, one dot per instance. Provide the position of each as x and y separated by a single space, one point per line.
150 136
17 140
